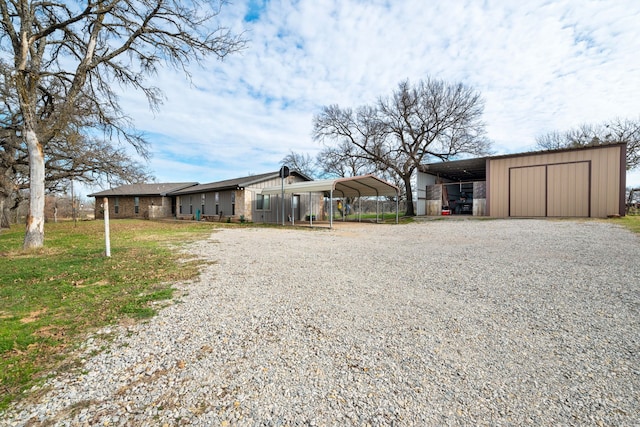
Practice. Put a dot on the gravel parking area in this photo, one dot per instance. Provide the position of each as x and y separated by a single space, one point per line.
486 322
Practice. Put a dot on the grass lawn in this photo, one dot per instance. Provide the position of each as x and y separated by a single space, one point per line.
51 297
632 222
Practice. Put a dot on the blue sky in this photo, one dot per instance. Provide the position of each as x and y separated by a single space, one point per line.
540 66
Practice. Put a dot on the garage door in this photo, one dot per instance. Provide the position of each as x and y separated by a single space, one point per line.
568 189
550 190
527 191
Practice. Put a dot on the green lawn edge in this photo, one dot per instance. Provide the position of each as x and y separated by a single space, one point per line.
51 298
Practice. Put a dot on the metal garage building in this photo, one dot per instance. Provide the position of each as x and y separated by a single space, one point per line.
581 182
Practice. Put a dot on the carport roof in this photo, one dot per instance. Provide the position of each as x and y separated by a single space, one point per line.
458 170
355 186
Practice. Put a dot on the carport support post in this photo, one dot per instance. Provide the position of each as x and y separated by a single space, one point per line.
331 208
310 209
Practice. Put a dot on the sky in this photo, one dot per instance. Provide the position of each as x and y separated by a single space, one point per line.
539 65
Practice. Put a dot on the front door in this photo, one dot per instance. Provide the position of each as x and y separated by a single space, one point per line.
295 205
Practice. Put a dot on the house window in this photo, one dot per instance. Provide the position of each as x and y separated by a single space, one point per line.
217 198
263 203
190 205
202 204
136 205
116 206
180 206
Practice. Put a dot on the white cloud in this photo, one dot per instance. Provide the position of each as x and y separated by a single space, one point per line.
540 65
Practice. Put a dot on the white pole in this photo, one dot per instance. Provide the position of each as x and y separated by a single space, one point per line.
282 181
331 208
73 206
107 239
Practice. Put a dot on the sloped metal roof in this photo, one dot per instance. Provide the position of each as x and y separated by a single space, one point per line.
233 184
475 169
355 186
153 189
458 170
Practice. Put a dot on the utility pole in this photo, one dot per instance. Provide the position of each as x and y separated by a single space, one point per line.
284 172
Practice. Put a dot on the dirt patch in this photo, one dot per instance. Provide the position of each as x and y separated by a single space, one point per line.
33 316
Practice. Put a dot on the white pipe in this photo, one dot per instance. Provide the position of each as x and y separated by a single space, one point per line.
107 239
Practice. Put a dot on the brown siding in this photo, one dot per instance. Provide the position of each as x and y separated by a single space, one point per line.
244 205
212 207
602 183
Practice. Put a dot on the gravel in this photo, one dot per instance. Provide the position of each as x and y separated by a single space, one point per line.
487 322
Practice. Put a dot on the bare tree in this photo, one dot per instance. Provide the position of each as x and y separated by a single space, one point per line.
66 56
69 156
343 160
302 162
433 119
611 132
90 162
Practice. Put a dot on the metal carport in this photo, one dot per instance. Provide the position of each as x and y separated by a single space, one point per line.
354 186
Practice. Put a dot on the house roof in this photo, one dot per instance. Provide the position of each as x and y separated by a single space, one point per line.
153 189
234 184
354 186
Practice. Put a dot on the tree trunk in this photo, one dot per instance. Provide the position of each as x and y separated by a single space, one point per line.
34 235
407 185
4 219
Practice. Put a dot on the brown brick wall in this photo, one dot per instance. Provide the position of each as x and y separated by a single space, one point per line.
126 207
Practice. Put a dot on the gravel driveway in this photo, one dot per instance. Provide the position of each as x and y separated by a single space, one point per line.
494 322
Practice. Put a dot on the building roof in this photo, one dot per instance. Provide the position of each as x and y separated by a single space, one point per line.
153 189
234 184
354 186
458 170
476 169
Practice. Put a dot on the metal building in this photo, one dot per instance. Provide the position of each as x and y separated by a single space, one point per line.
580 182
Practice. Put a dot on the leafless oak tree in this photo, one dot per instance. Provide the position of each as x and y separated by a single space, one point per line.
431 120
71 155
66 56
342 160
611 132
302 162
